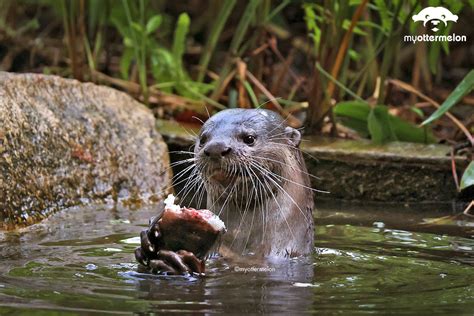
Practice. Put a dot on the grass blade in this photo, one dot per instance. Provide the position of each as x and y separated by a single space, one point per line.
224 13
464 88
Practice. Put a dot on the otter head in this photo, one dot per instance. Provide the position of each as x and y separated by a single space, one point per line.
242 152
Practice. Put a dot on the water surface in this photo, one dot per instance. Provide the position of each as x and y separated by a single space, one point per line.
367 260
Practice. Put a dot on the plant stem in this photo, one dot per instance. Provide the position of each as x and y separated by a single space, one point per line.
236 42
142 64
387 59
216 31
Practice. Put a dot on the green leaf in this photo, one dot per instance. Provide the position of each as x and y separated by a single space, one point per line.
214 36
417 111
162 66
465 87
433 57
354 109
125 62
119 26
384 14
232 98
380 126
372 25
354 55
359 126
153 24
137 27
127 41
243 25
179 42
355 115
407 132
251 93
467 179
357 30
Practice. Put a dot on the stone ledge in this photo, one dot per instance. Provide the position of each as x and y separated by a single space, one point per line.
362 171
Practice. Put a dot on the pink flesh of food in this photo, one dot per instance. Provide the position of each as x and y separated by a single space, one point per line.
204 214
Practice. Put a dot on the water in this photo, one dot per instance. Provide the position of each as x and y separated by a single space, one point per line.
366 261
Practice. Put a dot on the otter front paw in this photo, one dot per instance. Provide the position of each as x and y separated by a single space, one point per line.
157 260
180 262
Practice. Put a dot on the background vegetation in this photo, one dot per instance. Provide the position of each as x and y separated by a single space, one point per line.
337 67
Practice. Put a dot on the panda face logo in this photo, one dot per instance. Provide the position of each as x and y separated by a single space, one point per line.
433 16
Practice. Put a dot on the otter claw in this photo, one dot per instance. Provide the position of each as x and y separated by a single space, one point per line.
196 265
175 260
145 242
160 267
141 257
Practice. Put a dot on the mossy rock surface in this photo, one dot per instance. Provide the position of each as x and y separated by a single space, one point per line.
63 142
394 172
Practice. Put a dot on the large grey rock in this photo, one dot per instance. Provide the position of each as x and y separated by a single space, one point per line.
63 142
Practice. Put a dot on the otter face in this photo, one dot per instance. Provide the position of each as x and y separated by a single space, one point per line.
237 147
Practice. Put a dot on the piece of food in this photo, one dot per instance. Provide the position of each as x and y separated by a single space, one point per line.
183 228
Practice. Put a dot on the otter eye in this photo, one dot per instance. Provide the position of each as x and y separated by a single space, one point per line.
202 140
249 139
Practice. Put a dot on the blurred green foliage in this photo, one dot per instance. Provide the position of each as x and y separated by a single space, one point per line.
350 49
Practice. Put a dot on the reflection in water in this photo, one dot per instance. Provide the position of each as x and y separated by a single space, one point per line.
81 261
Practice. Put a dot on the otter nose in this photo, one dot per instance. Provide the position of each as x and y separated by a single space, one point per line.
217 150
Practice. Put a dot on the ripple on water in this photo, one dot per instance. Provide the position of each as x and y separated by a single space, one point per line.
369 266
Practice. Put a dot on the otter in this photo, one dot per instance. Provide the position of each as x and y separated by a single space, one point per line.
256 180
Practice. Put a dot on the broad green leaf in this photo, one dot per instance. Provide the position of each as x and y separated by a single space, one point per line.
464 88
354 109
355 115
357 125
468 176
380 126
407 132
153 24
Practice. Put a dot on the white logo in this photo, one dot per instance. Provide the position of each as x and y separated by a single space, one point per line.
435 15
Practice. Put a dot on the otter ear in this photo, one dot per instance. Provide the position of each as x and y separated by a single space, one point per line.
293 135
